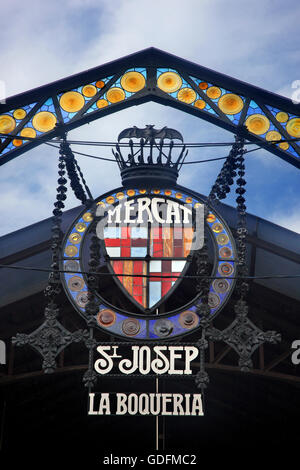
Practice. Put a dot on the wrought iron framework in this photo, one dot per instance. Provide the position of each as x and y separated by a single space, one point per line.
242 334
30 118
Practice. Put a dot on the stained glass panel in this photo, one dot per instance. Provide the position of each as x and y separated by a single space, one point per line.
229 103
72 101
132 81
171 82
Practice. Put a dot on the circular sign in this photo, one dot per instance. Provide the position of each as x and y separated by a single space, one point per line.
148 238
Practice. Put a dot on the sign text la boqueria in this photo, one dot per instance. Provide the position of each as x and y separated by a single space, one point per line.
145 360
143 404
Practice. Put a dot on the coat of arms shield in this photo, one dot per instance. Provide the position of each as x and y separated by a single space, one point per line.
148 259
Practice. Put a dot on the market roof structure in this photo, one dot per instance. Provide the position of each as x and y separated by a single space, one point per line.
38 408
28 119
251 407
271 250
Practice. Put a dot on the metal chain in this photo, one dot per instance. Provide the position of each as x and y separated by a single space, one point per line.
219 191
53 287
82 178
92 306
225 179
242 335
92 279
242 285
72 167
51 337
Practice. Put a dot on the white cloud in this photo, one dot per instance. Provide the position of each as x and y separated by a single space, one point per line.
48 41
287 219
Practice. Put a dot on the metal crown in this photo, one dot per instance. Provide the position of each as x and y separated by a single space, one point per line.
149 162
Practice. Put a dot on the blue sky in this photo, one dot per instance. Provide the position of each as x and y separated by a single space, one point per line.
257 42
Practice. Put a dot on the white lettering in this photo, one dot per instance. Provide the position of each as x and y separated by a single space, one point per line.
128 367
197 405
166 398
174 356
101 363
133 403
121 404
186 214
173 213
187 404
2 352
191 352
155 403
144 404
178 399
141 361
296 354
104 405
91 403
129 207
145 360
143 205
115 211
155 209
160 365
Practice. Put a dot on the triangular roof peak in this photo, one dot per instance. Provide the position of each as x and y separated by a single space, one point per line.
150 75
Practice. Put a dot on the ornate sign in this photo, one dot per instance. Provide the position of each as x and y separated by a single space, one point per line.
165 361
149 235
148 253
143 404
148 262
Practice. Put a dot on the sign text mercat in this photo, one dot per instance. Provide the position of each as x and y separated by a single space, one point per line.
144 209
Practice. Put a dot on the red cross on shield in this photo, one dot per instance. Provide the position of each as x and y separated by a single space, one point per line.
148 260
